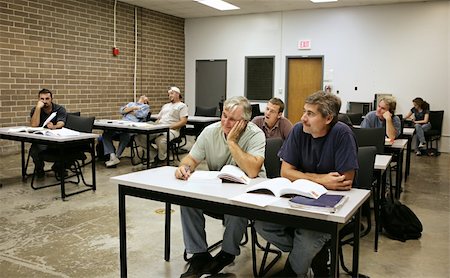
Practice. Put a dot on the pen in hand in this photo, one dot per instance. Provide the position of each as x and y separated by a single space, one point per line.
187 172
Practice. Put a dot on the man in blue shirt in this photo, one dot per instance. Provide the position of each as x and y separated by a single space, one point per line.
385 117
133 112
320 149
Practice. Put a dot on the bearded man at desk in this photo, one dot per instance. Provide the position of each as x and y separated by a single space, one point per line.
323 150
39 114
236 141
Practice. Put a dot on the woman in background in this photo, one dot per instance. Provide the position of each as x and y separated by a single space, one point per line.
420 116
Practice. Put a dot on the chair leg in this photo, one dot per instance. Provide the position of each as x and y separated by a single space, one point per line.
263 269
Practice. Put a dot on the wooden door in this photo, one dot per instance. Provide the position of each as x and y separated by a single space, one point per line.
305 77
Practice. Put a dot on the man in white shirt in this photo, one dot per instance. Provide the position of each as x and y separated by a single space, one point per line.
173 113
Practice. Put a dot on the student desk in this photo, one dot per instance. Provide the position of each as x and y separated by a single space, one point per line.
381 164
160 184
408 134
61 142
397 148
135 127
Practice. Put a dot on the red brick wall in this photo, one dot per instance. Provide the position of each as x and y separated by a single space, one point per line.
66 46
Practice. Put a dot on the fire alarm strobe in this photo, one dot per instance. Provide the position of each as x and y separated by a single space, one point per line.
115 51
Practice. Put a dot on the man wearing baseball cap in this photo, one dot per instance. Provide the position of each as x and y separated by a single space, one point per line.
173 113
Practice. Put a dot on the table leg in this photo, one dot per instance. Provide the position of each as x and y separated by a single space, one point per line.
24 173
94 183
168 143
122 233
167 233
408 157
399 175
148 151
62 170
356 231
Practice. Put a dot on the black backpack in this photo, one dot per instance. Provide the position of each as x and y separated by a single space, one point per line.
399 221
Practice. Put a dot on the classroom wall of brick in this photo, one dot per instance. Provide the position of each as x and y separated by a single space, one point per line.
66 47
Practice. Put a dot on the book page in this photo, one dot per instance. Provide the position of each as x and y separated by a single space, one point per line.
205 176
234 174
306 188
49 119
274 186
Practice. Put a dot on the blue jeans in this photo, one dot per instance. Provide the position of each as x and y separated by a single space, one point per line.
194 235
108 146
302 244
420 130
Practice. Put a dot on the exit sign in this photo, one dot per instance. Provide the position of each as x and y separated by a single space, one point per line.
304 44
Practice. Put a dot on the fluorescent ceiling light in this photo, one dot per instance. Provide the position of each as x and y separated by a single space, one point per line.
323 1
218 4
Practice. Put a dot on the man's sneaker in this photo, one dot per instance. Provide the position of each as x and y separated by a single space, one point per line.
112 162
198 264
422 145
221 260
418 153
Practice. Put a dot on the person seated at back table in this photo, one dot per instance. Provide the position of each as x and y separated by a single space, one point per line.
175 114
133 112
39 114
273 123
321 149
232 141
385 117
420 116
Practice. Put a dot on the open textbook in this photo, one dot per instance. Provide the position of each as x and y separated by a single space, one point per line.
272 189
229 173
283 186
37 130
44 131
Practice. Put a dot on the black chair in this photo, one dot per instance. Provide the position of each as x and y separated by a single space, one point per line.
206 111
256 111
272 163
370 137
355 118
71 158
345 119
434 134
363 180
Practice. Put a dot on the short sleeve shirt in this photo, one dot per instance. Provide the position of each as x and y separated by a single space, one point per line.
172 112
372 121
281 128
211 145
138 115
334 152
61 114
419 115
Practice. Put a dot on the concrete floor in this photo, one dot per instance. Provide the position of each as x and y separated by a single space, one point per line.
42 236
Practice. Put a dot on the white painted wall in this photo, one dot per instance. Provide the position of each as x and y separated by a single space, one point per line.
401 49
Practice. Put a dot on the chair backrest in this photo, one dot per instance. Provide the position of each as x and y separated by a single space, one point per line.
272 162
355 118
78 123
256 111
370 137
436 119
366 160
345 119
402 124
205 111
77 113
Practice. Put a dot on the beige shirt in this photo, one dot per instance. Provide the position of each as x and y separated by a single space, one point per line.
172 113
